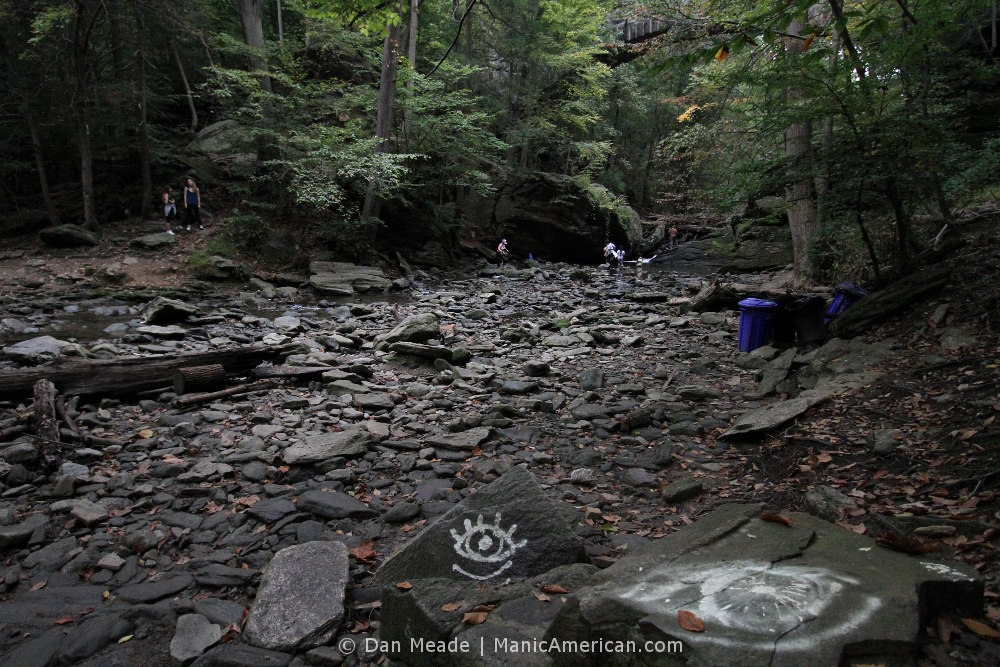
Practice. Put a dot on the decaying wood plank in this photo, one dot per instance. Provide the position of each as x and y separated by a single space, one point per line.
46 426
127 377
878 306
191 379
194 399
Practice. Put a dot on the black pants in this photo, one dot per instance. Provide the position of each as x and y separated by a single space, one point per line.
193 214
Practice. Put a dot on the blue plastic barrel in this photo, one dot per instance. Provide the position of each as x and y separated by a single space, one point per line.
756 319
844 296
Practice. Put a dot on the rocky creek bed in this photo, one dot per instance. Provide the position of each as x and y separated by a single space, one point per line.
252 530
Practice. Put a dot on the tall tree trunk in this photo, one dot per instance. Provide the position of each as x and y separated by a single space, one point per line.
115 20
82 28
826 137
411 43
43 180
252 19
187 86
281 29
383 119
147 175
799 192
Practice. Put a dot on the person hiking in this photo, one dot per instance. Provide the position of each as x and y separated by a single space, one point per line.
620 258
169 208
610 252
673 237
502 254
192 203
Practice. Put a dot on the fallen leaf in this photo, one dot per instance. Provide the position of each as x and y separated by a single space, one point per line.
690 622
809 40
980 628
722 53
776 518
554 589
451 606
475 617
125 639
249 501
38 585
906 544
404 585
407 528
484 607
361 625
106 594
282 468
65 619
542 597
364 553
146 434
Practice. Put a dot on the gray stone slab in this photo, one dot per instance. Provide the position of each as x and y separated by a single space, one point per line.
151 591
463 442
193 635
300 602
334 505
508 529
768 594
317 448
240 655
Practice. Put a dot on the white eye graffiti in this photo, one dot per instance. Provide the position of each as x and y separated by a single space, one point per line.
486 543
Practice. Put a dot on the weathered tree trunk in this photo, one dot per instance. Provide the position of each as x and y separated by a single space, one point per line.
147 174
281 29
115 20
46 424
82 29
252 19
826 137
199 378
799 193
876 307
383 119
43 180
187 86
126 377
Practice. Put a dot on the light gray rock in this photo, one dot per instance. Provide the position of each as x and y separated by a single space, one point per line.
68 236
35 350
463 442
193 636
162 310
508 529
300 602
317 448
414 329
768 594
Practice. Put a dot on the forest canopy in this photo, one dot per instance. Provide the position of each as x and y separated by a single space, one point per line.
371 123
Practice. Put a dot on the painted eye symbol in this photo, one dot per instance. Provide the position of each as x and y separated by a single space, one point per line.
486 543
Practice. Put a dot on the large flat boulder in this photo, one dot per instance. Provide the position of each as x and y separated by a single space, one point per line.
767 594
508 530
319 448
162 310
68 236
414 329
36 350
300 602
345 279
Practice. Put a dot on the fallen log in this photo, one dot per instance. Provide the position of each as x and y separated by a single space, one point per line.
127 377
290 371
877 307
194 399
191 379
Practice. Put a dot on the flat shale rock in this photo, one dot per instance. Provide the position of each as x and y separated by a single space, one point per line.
768 594
508 529
300 603
318 448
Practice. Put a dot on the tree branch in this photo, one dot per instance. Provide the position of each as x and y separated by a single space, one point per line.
458 35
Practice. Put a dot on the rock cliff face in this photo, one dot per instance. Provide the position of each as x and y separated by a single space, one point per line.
558 218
